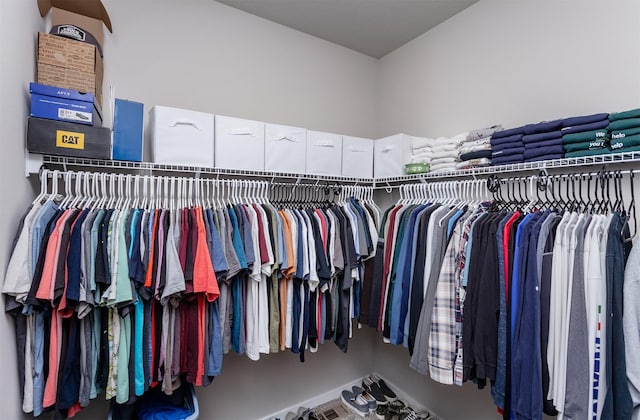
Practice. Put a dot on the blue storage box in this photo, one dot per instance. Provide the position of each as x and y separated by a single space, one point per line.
127 130
54 103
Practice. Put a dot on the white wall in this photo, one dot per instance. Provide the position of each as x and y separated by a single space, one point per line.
510 63
19 22
206 56
513 62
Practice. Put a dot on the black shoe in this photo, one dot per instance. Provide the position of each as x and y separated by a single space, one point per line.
373 389
388 392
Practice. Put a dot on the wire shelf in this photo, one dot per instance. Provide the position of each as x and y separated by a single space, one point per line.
606 159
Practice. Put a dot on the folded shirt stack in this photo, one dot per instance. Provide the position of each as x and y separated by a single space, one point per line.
542 141
445 153
507 146
624 128
475 150
421 150
586 135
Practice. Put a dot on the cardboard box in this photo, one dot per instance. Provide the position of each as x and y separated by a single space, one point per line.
52 137
69 64
79 20
61 104
127 130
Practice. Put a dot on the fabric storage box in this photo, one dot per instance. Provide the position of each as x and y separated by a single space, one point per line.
239 144
55 103
127 130
285 149
357 157
181 137
324 153
53 137
391 154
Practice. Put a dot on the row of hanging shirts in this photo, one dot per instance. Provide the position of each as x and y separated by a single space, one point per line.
523 292
126 282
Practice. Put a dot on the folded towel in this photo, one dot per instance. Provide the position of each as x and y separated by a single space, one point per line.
546 143
543 127
624 124
584 119
473 163
585 136
541 136
445 154
508 139
444 147
586 145
441 167
504 146
420 142
625 142
545 157
420 159
620 134
476 155
632 113
482 133
459 138
421 150
478 148
583 153
505 152
553 150
508 133
444 160
585 127
505 160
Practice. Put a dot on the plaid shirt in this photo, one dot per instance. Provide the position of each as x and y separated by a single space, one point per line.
442 337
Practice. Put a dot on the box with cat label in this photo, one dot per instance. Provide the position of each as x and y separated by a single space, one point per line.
55 103
51 137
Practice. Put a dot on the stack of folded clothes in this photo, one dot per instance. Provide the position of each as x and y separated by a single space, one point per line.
586 135
421 150
507 146
542 141
475 150
624 128
444 153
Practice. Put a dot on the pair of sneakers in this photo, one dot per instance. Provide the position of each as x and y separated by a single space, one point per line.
397 410
359 401
302 414
375 386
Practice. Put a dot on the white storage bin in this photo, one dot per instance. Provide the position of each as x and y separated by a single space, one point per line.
391 154
239 144
324 153
285 149
357 157
181 137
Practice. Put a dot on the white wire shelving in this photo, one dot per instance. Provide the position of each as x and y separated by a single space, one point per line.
565 163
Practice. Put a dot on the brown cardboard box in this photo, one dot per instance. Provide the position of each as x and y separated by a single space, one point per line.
77 19
69 64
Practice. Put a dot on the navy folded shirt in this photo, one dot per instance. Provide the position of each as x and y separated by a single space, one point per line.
531 153
507 133
546 143
503 146
543 127
506 152
541 136
586 127
545 157
476 155
508 139
584 119
504 160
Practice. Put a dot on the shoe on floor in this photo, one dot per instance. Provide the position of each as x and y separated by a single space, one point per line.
388 392
373 389
371 401
355 403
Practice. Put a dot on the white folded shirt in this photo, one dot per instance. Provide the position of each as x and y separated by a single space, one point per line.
443 160
445 154
422 151
442 167
468 143
424 158
444 147
476 148
473 163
